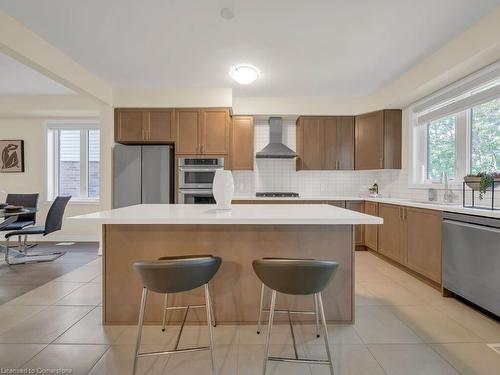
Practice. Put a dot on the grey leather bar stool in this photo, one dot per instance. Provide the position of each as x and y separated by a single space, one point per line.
296 277
175 276
165 300
266 310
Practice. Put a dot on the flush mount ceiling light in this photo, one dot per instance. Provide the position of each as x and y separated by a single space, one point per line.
244 73
227 13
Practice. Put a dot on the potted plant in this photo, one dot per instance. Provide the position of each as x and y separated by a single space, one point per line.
482 181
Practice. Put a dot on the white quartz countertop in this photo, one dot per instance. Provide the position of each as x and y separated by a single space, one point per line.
287 214
301 198
454 207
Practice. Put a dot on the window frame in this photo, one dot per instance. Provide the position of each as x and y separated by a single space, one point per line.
419 152
52 128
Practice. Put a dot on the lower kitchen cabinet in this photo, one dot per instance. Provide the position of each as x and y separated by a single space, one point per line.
391 233
371 231
359 231
423 242
412 237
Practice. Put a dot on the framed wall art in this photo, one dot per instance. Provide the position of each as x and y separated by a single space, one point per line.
11 156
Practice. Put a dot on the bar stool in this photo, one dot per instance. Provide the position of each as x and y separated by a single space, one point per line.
175 276
296 277
165 301
262 310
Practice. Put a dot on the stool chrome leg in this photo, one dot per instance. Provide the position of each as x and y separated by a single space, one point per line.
317 315
210 326
140 323
325 331
165 305
212 307
261 306
269 329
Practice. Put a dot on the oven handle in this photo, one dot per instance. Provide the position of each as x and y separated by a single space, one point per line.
208 169
191 191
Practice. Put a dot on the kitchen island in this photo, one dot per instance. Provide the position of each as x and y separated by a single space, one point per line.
238 236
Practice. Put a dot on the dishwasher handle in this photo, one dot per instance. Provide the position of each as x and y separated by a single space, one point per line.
474 226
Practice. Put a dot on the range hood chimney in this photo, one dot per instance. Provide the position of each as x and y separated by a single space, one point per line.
276 149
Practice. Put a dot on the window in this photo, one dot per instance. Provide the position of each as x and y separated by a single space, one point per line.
441 143
457 130
73 155
485 137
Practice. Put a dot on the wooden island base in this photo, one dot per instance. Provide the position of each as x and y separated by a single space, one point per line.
235 288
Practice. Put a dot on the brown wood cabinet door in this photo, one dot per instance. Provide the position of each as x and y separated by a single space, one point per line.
391 233
358 229
371 231
215 132
392 138
345 143
241 150
160 126
130 125
331 142
423 242
312 143
369 141
188 131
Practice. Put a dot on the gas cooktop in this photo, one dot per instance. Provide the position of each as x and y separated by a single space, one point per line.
277 195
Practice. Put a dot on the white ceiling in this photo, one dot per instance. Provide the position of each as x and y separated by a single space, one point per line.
303 48
18 79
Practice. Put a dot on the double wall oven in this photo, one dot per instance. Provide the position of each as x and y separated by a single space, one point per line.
196 176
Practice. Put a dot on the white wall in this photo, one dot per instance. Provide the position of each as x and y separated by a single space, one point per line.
31 128
173 97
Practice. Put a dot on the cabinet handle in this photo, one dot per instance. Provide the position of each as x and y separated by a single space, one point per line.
399 212
201 148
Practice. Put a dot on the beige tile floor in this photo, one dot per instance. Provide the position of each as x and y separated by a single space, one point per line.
402 327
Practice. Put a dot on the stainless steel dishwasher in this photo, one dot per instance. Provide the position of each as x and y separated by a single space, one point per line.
471 259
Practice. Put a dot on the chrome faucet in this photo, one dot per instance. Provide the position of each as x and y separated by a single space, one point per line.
448 194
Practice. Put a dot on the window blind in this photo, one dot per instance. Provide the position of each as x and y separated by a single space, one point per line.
473 90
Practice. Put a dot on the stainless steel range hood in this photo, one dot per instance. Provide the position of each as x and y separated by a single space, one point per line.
276 149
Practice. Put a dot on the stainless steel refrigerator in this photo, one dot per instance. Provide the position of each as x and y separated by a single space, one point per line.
142 174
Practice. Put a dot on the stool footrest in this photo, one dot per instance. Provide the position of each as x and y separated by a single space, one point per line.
280 311
165 352
299 360
185 307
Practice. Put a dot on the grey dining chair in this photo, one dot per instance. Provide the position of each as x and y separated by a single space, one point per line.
53 223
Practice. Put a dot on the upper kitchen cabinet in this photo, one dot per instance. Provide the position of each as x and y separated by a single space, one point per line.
202 131
378 140
215 131
339 143
187 123
144 126
160 125
241 151
325 143
310 147
129 125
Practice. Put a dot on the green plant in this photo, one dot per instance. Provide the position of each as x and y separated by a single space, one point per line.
486 181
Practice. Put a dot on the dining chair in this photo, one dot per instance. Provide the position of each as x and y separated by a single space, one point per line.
53 223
